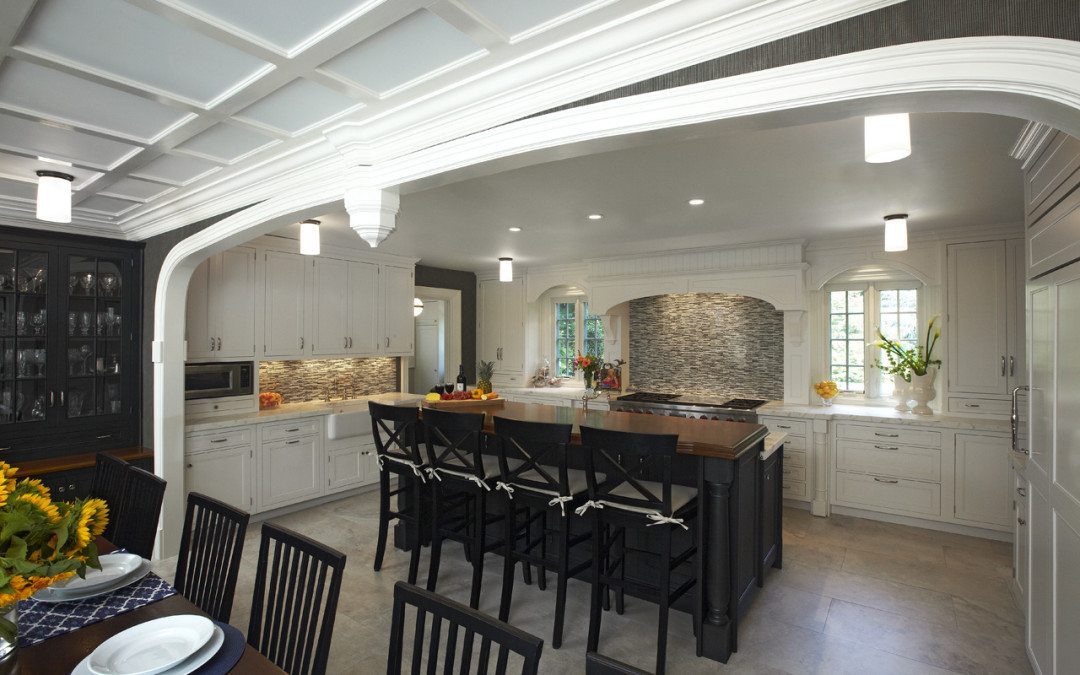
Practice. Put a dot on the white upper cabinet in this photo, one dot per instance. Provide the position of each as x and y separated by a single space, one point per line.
284 305
398 292
490 312
330 306
502 325
363 308
221 306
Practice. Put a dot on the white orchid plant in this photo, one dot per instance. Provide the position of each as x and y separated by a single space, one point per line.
903 361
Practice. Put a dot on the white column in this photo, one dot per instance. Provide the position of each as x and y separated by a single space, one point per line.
796 357
819 466
372 212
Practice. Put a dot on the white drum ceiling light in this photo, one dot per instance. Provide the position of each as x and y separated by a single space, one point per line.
896 232
887 138
54 196
417 306
506 269
310 243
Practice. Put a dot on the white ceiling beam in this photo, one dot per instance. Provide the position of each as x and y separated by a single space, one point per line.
470 22
71 125
215 31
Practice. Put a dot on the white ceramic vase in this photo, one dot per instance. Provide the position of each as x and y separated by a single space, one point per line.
923 391
902 393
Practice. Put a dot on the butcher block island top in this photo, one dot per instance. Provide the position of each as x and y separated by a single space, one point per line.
703 438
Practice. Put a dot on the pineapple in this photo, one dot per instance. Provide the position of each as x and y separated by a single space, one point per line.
484 370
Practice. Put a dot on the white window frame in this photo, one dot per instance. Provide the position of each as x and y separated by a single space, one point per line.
872 377
579 329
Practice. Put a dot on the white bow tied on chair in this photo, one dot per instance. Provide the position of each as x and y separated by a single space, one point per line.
509 489
588 505
659 519
561 501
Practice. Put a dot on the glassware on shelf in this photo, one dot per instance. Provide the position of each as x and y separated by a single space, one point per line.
37 322
38 411
110 285
75 403
86 353
24 363
73 323
85 323
5 282
114 364
101 324
39 362
20 322
112 398
73 283
75 364
86 281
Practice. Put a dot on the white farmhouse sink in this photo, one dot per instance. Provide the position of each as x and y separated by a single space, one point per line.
348 424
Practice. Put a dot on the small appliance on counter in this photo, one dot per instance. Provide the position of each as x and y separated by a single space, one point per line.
218 380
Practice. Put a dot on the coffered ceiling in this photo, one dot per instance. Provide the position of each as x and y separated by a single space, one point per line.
150 99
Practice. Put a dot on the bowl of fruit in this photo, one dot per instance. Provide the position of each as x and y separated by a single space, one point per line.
468 397
270 399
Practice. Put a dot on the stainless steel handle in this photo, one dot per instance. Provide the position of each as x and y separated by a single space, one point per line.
883 480
1012 366
211 344
52 396
301 343
346 345
219 344
886 435
886 447
1021 521
292 441
387 341
289 431
218 440
783 426
104 436
1014 419
1003 366
61 397
972 405
1021 491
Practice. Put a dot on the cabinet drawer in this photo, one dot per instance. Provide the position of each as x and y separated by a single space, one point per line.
980 406
794 489
889 434
886 459
216 440
794 457
796 473
794 443
894 494
293 429
788 426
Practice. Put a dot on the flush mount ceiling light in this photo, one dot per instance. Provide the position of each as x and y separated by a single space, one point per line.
309 237
696 201
887 138
595 216
417 306
506 269
896 232
515 229
54 196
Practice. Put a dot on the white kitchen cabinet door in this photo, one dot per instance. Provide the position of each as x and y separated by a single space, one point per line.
283 305
290 471
983 479
221 474
232 302
398 293
197 326
364 309
490 328
978 324
346 466
512 358
1015 274
1021 539
330 307
1040 615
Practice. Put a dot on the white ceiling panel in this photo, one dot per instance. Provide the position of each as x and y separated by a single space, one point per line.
36 90
418 45
226 143
105 205
284 25
18 189
45 140
176 169
136 190
25 168
116 38
515 17
298 106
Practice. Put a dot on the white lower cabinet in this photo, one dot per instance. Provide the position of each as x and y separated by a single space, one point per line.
894 494
223 474
350 463
983 477
290 471
794 479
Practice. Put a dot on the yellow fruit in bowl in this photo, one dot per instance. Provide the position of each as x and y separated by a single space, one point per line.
432 397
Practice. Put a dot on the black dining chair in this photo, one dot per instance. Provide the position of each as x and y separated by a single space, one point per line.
629 496
598 664
397 432
462 626
110 475
210 549
535 477
297 585
462 477
140 509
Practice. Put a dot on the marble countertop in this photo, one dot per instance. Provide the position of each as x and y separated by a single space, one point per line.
881 415
296 410
554 392
773 441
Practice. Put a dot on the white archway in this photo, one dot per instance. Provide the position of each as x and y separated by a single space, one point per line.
1032 78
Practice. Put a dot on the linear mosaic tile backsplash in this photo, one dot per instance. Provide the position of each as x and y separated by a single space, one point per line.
307 380
707 343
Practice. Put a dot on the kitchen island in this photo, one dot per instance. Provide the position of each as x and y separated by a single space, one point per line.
723 461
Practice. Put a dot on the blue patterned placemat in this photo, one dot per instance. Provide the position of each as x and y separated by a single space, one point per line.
42 620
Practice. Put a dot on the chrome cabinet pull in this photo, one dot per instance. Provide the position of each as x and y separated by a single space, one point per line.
61 397
1003 366
301 343
51 397
297 440
211 344
1021 491
219 344
1021 522
783 426
289 431
1012 366
972 405
1014 419
886 435
388 342
346 345
886 447
104 436
883 480
218 440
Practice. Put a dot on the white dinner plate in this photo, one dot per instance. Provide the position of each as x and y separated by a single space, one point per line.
114 567
185 667
52 594
152 647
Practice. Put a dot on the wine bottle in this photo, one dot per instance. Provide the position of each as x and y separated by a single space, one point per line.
460 382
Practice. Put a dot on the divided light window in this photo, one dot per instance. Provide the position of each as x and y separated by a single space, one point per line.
576 332
899 315
847 340
855 314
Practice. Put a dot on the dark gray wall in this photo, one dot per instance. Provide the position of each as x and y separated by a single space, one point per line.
437 277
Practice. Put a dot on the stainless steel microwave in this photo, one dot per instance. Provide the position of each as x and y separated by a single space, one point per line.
217 380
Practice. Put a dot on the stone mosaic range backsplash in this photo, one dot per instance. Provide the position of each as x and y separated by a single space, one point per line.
707 343
307 380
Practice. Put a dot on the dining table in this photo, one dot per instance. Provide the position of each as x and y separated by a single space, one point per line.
59 655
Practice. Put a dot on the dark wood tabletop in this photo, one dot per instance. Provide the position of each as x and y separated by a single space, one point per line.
706 438
59 655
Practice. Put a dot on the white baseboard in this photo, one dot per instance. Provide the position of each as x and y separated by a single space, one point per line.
925 524
293 508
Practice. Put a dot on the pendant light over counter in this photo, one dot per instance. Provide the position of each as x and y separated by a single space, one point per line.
54 196
506 269
896 232
417 306
310 243
887 138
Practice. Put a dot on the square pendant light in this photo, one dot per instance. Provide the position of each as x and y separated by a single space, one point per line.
506 269
896 232
54 196
887 138
310 243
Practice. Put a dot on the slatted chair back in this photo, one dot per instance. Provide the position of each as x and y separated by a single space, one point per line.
210 549
622 456
140 510
397 432
470 638
598 664
297 585
110 474
533 454
454 442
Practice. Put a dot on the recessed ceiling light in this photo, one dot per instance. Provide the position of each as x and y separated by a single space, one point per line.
515 229
696 201
595 216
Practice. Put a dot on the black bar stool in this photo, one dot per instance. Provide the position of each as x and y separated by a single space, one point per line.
628 500
397 431
462 476
534 475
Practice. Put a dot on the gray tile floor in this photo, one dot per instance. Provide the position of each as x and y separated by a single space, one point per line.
855 596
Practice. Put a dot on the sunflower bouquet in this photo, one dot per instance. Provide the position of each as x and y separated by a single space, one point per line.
42 542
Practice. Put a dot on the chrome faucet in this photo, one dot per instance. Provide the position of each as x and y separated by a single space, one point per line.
585 398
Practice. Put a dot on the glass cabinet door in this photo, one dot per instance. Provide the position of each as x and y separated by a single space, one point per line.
93 345
24 335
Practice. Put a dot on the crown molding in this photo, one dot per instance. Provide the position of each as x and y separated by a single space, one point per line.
1029 141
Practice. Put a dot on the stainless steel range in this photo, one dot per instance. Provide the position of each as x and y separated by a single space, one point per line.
676 405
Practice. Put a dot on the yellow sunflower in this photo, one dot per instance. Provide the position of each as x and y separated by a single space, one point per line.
101 517
91 523
37 486
43 505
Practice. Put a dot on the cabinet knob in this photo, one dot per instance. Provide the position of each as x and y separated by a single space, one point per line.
1021 491
1021 521
190 465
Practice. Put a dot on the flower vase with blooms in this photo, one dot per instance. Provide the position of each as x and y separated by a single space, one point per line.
42 542
915 365
590 366
827 390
